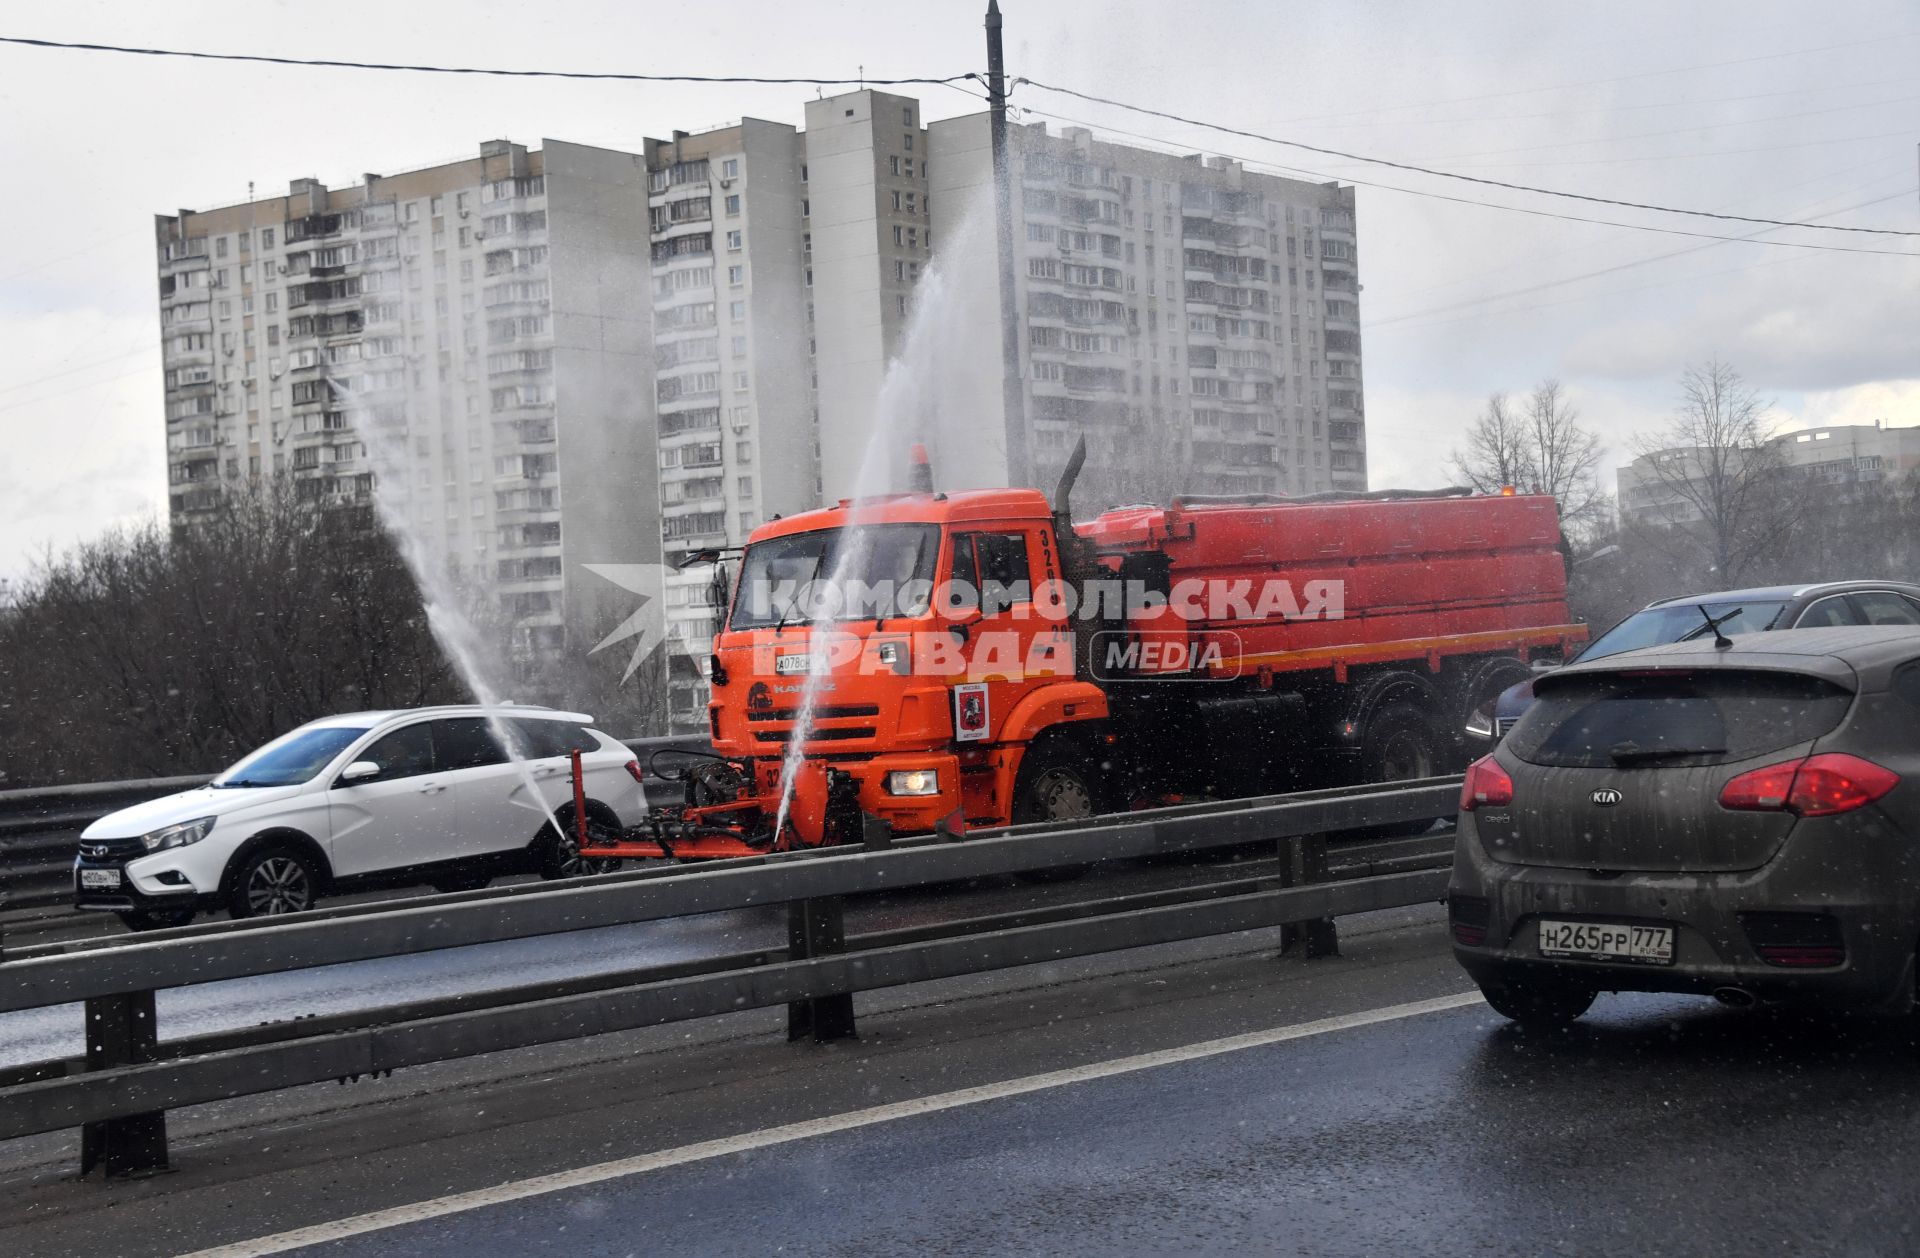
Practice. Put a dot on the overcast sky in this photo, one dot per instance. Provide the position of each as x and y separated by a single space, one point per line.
1745 108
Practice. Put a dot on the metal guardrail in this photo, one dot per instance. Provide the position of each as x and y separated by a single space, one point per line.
120 1090
39 828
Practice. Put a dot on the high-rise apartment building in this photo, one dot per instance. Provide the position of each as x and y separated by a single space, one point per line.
1196 321
478 332
783 265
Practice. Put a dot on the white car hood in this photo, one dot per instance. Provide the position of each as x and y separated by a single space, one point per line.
203 801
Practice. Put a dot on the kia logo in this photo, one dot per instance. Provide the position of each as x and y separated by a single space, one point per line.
1606 797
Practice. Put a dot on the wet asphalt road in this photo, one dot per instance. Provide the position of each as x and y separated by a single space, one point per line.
1662 1127
1659 1126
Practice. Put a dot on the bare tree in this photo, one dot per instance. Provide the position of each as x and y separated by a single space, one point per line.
154 651
1499 450
1732 495
1538 446
1565 457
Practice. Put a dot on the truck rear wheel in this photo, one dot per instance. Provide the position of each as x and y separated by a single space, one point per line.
1400 746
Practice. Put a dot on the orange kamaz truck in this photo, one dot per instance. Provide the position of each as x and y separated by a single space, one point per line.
965 659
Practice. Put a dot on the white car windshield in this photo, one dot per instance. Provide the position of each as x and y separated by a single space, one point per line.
292 758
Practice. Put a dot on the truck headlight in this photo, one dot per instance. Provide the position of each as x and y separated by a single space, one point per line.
1480 724
176 836
913 782
894 655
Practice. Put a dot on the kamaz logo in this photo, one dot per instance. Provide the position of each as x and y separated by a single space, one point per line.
1606 797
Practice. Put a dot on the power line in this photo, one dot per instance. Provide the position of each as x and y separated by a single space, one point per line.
1448 174
1607 270
1497 205
78 388
142 351
1621 78
431 69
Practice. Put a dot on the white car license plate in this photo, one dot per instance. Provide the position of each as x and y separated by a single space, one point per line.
1607 941
100 879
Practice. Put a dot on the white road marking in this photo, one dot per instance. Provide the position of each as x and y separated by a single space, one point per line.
377 1220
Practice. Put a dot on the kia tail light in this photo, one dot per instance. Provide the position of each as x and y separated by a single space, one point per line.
1816 786
1486 786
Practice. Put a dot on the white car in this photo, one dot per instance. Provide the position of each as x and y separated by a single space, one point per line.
425 795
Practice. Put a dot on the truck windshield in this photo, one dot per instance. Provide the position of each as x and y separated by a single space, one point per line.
870 573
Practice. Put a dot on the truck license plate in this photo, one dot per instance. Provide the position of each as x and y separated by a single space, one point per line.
100 879
1607 941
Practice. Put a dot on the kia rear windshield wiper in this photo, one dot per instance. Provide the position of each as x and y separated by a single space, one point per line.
1633 753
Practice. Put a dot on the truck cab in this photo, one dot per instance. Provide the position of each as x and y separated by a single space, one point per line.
915 638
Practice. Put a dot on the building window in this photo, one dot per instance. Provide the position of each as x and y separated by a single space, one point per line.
266 237
737 310
733 242
743 452
733 205
736 275
740 380
730 169
893 168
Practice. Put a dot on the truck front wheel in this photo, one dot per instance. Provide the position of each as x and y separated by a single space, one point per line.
1055 784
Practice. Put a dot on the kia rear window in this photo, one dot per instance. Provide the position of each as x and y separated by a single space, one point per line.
1632 720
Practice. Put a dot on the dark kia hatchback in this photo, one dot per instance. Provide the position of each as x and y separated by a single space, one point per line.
1738 820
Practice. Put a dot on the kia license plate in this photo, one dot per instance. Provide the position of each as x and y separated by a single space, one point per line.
1607 941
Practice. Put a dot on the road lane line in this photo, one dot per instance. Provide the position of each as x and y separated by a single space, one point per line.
539 1185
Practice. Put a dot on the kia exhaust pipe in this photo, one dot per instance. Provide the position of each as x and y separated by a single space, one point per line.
1735 997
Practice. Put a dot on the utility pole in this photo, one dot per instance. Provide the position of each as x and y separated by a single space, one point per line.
1013 390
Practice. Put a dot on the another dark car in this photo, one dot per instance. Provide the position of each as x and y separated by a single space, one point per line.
1825 604
1740 821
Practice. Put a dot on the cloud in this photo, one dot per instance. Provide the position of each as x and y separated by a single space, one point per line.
86 444
1821 325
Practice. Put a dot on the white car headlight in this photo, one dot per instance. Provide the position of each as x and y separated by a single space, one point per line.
177 835
913 782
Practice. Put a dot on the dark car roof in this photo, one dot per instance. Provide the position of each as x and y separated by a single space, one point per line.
1854 656
1787 593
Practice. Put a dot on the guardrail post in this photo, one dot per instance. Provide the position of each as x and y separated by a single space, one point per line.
1303 860
121 1032
818 928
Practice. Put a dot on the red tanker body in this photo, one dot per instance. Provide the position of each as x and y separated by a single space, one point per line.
1347 582
1018 668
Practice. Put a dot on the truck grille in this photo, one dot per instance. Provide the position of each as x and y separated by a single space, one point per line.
819 714
837 734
